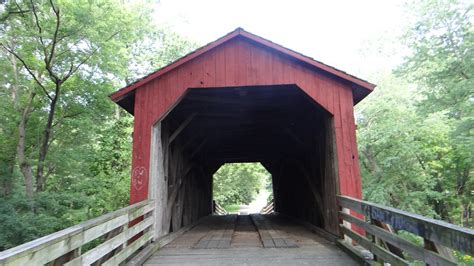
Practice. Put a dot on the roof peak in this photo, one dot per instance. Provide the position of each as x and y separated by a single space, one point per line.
239 31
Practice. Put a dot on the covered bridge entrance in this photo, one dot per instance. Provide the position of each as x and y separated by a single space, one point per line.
244 99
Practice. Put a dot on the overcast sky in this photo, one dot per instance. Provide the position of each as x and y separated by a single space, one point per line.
344 34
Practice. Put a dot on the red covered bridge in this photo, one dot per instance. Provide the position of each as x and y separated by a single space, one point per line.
245 99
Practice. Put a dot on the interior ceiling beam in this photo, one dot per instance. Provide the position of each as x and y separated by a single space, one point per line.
199 122
225 112
239 98
256 114
245 159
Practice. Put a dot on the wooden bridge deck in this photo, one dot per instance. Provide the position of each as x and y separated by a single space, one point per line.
245 240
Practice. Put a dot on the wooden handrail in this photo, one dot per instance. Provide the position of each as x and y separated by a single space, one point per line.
437 233
70 240
269 208
218 209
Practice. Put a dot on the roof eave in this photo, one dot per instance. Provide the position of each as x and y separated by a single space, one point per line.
126 91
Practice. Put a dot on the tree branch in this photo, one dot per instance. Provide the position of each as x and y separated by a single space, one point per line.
59 121
27 69
55 35
49 58
40 30
73 70
10 12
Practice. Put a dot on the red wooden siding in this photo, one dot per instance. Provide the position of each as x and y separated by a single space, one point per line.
242 62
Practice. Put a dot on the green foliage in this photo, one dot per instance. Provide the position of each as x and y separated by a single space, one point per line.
415 132
108 44
238 183
232 208
464 259
395 146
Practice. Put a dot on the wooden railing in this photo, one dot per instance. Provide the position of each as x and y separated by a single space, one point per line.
439 237
64 247
269 208
218 209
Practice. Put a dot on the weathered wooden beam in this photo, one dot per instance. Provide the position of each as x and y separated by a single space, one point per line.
353 252
388 228
453 236
386 255
199 147
103 249
415 251
171 201
181 127
132 248
148 251
50 247
158 182
242 159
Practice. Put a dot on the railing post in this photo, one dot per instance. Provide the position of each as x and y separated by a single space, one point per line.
377 242
346 224
439 237
442 250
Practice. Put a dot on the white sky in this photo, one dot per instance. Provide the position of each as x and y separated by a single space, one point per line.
344 34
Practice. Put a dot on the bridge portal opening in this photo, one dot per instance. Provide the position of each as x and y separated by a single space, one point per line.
241 188
280 126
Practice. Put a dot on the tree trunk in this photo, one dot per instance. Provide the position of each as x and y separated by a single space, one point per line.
6 174
463 177
40 176
25 166
15 93
373 166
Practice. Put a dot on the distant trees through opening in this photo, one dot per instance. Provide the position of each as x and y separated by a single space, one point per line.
238 184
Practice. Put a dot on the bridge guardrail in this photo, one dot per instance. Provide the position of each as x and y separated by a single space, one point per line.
438 236
218 209
269 208
64 247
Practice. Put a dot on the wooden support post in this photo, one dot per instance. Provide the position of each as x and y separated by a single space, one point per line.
158 188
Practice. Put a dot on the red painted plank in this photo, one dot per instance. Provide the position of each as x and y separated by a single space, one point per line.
230 64
220 63
277 70
118 95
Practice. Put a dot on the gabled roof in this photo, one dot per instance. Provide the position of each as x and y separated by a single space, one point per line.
363 87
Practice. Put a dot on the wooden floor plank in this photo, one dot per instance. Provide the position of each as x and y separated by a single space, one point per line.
268 233
235 241
220 231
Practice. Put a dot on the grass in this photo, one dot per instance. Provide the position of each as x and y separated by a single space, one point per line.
232 208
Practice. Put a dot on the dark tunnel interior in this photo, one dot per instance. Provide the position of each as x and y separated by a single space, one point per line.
279 126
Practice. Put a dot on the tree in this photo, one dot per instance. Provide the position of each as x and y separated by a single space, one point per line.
399 150
238 183
441 64
59 39
85 169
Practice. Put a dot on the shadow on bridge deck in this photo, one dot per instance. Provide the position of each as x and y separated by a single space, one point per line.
249 240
